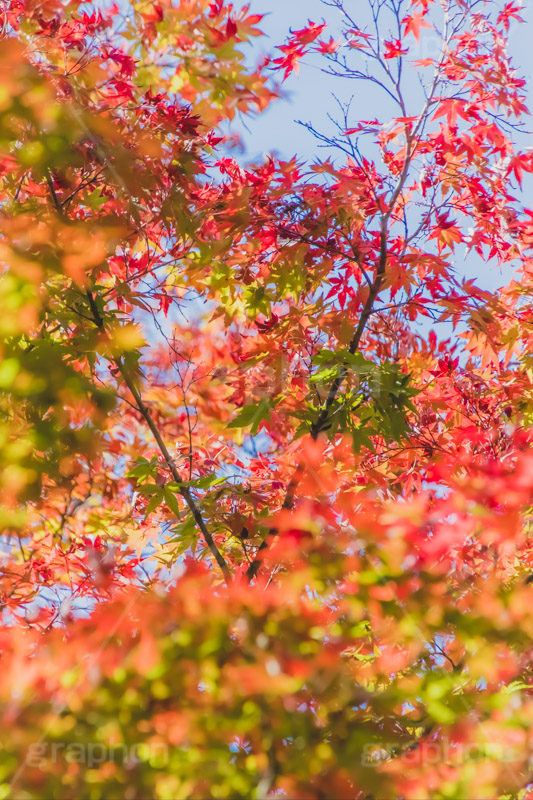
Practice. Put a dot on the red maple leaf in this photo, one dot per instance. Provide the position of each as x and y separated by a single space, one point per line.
394 49
327 47
413 23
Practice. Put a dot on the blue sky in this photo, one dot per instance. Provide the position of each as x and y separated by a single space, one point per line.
309 94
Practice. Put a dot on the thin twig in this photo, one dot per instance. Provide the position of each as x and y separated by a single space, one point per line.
145 412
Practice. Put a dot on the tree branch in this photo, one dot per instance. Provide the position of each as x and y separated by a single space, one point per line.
145 411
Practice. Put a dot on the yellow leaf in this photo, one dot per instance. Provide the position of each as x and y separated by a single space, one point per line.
127 338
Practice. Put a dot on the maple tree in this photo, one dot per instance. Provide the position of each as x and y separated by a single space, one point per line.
266 469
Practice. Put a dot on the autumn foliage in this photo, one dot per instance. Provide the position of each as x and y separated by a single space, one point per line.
266 472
